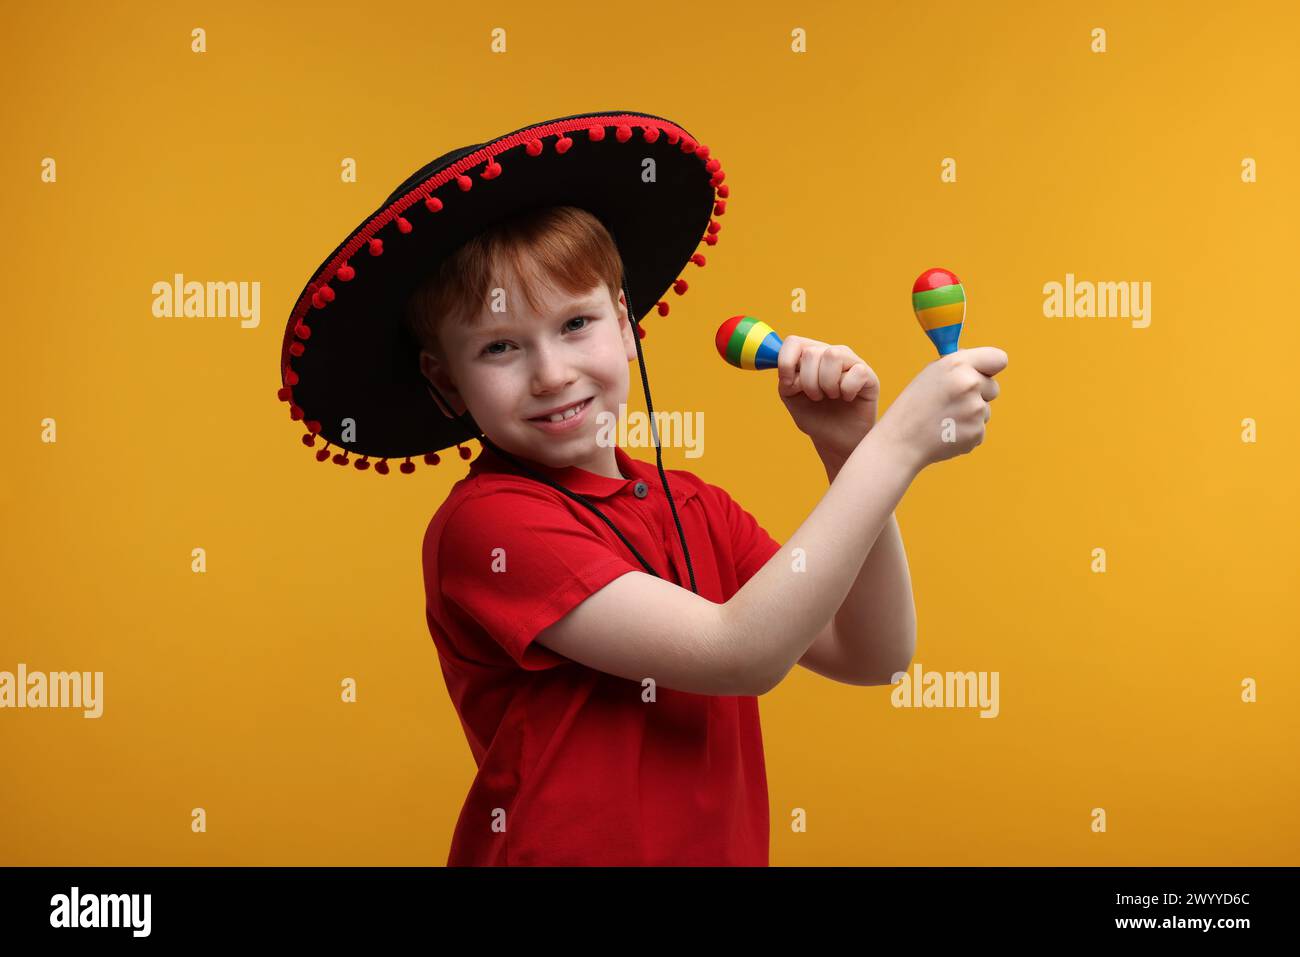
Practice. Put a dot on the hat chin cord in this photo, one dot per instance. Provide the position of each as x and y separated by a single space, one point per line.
587 503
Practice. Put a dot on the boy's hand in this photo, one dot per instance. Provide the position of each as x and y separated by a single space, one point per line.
943 411
830 392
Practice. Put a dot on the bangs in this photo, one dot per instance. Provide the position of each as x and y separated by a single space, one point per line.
557 249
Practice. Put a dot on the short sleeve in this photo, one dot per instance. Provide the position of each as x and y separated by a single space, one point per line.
751 545
516 562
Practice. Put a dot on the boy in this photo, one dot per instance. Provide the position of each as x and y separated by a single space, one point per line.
610 706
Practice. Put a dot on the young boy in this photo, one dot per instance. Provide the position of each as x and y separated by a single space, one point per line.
606 670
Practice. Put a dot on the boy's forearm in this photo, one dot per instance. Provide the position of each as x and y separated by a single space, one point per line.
876 625
778 613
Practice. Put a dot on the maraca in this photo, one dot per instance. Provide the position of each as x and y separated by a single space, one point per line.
748 343
940 306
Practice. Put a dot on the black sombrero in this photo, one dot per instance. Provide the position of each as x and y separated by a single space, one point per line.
346 353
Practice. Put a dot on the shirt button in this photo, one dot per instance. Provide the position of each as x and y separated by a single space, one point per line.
640 489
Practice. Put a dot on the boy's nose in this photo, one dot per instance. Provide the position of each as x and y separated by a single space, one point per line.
551 371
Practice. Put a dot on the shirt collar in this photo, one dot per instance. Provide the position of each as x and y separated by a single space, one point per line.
584 482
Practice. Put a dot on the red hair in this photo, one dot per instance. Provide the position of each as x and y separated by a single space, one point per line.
563 247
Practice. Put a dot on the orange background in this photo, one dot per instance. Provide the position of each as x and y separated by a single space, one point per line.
1118 690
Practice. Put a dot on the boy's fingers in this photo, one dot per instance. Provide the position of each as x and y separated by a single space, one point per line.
989 388
831 371
860 378
787 358
809 369
988 360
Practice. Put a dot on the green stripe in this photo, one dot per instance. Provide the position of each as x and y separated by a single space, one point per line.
942 296
738 335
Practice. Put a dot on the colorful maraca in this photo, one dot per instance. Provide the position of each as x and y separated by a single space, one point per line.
748 343
940 306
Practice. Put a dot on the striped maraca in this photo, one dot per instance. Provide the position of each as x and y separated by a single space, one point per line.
940 306
748 343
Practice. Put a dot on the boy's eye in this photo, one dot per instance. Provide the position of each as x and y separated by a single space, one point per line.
488 349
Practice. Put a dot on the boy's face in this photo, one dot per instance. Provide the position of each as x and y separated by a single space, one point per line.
509 367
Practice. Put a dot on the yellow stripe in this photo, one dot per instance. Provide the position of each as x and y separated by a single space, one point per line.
937 316
757 333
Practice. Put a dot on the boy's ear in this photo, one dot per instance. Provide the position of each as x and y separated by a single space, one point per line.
625 326
434 370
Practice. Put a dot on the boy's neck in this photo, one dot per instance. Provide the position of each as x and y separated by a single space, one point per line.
605 464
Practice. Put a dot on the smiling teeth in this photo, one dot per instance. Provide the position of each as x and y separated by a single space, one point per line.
568 413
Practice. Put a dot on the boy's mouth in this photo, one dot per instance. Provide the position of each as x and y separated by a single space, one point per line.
566 417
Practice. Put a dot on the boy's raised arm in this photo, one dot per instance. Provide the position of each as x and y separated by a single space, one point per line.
639 626
779 612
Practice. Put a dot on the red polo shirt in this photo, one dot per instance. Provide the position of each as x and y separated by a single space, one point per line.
574 768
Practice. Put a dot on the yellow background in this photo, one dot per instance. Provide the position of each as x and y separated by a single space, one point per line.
1118 690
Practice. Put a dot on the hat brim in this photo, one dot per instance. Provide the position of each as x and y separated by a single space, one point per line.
356 368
